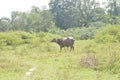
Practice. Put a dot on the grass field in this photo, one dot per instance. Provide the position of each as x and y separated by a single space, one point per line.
50 64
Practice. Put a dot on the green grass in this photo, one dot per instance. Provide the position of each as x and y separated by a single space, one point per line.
50 64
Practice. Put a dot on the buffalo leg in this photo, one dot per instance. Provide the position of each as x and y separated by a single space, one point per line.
60 49
72 48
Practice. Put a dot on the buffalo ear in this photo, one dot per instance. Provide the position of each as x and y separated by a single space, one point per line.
54 40
59 40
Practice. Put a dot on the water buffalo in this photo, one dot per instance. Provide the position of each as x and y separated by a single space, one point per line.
65 42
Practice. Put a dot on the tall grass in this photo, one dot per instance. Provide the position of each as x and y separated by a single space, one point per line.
34 50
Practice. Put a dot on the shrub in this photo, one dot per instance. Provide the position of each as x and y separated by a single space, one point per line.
78 33
19 37
46 37
89 60
57 31
88 33
110 36
110 33
75 32
10 38
97 24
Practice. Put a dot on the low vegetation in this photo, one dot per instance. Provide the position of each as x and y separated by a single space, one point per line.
94 59
26 52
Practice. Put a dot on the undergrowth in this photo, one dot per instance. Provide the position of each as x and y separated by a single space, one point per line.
91 60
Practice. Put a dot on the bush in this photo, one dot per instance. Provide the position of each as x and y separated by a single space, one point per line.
110 33
46 37
88 33
75 32
98 24
57 31
78 33
10 38
19 37
110 59
89 60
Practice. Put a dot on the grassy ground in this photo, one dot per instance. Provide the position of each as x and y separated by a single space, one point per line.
50 64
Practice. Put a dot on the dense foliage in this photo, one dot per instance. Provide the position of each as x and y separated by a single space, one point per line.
35 20
108 34
71 13
63 14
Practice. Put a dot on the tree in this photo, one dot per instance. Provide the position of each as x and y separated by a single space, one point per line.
41 20
5 24
62 11
35 9
36 20
18 20
88 11
71 13
47 21
114 7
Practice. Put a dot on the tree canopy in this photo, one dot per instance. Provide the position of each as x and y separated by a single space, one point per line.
63 14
